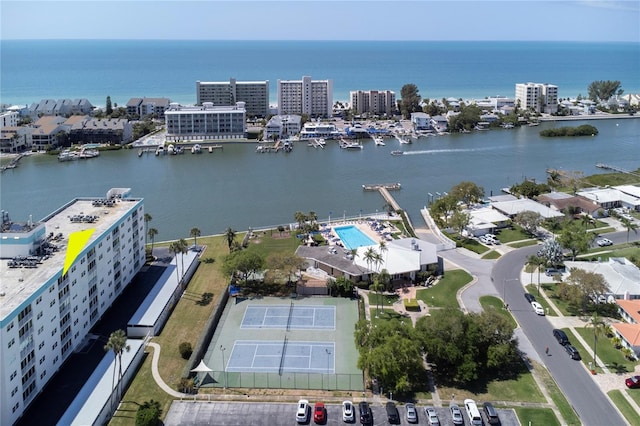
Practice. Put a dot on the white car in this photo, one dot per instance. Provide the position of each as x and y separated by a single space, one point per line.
348 414
456 414
412 413
604 242
432 416
302 415
537 308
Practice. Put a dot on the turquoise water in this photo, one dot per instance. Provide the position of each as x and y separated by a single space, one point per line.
124 69
352 237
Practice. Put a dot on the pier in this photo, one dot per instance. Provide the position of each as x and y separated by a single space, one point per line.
384 189
616 169
12 164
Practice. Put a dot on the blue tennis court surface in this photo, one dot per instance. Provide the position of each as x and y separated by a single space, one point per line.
303 317
266 356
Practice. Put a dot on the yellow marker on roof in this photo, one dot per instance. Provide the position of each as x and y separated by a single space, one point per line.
77 241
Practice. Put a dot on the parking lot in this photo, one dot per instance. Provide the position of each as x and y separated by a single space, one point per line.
245 413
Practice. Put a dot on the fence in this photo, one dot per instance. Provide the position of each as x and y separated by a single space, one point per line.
344 382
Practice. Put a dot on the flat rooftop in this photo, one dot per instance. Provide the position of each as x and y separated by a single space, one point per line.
20 283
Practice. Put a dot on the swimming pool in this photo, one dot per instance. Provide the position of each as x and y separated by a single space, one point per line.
352 237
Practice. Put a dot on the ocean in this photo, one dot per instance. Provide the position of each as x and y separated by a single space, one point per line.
94 69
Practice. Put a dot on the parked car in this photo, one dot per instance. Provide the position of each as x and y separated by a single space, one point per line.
456 414
347 412
319 413
412 413
633 382
553 271
530 297
604 242
491 413
432 416
560 336
302 415
573 352
537 308
392 413
472 412
366 417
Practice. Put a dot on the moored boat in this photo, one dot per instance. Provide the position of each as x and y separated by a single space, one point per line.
67 155
196 149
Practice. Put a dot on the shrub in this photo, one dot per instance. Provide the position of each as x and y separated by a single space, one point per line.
185 350
148 414
411 304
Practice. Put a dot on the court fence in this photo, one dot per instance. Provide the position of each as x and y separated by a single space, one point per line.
286 380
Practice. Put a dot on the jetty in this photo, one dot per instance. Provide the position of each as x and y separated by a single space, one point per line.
384 189
12 164
616 169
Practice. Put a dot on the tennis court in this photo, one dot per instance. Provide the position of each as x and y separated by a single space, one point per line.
296 317
284 356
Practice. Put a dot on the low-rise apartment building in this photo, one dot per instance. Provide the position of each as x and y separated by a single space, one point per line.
15 139
206 122
142 107
254 94
50 301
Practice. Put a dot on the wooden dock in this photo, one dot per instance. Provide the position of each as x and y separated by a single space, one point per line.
384 189
616 169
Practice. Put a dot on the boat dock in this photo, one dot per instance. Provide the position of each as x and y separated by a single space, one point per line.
616 169
384 189
12 164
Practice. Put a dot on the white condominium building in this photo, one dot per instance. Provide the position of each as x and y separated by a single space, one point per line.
537 96
378 102
45 315
206 122
311 97
255 95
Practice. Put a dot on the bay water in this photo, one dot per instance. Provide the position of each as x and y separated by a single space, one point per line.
240 188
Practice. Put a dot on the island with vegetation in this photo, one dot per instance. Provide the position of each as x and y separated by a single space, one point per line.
584 130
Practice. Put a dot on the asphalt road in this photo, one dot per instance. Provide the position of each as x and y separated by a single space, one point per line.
582 392
247 413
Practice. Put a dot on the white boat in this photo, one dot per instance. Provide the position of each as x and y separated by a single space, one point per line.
350 145
403 140
196 149
88 153
171 149
379 140
67 155
397 152
160 150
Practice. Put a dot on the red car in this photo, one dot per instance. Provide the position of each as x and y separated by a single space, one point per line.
633 382
319 413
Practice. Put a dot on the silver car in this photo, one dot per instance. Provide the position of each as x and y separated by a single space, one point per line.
348 412
432 416
412 414
456 414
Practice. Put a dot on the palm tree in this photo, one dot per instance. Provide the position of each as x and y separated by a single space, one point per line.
377 287
183 246
587 220
383 249
388 208
175 248
369 256
147 219
152 235
599 327
118 344
230 235
195 233
630 226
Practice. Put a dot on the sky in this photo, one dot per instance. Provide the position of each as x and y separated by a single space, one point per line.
538 20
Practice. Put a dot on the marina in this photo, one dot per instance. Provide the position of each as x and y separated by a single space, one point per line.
234 185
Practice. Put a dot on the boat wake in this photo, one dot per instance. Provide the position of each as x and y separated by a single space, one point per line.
441 151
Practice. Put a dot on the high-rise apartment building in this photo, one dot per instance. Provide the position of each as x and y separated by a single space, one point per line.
45 314
206 122
311 97
538 97
254 94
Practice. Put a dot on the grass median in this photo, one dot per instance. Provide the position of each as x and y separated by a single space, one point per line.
623 406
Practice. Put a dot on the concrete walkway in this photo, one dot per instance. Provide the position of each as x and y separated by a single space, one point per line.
156 374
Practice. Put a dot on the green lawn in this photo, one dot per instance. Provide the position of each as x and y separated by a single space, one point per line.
492 255
384 315
563 306
521 244
633 393
630 251
612 357
443 294
508 235
382 299
623 406
533 289
523 388
492 302
537 416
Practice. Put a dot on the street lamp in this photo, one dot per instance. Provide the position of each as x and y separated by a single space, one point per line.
344 216
430 197
330 218
224 368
